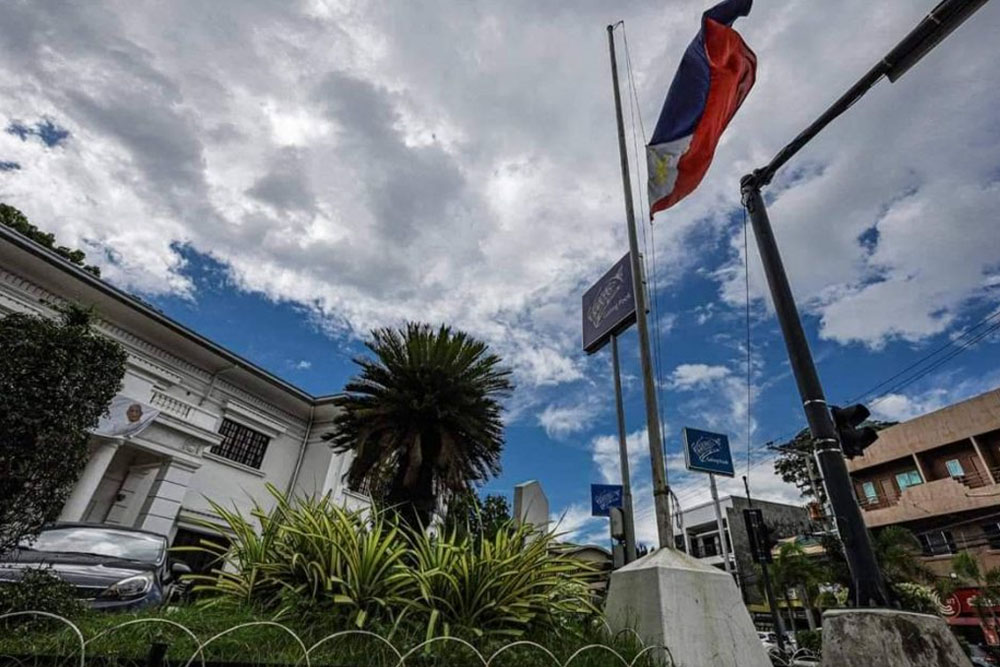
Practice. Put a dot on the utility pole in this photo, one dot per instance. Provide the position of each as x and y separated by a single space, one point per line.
661 489
629 519
869 588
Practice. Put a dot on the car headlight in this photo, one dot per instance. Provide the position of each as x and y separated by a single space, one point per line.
128 588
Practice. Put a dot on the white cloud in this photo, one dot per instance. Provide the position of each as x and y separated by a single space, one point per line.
563 420
606 455
691 376
334 157
303 364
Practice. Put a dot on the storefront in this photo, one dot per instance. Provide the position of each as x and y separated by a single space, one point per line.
969 617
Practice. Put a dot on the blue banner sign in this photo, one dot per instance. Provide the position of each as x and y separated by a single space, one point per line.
608 306
603 497
707 452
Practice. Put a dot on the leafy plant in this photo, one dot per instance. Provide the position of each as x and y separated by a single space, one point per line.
38 589
811 640
311 558
423 418
917 597
898 552
500 585
57 378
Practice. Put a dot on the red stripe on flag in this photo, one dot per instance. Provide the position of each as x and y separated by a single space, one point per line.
732 67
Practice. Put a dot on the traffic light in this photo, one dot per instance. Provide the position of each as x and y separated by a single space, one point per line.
853 440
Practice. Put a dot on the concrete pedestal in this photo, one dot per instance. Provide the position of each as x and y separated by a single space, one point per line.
890 638
693 609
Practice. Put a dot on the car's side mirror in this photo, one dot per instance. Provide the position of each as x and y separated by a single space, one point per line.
179 568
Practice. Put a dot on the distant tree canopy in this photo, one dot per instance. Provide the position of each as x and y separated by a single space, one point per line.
17 221
481 518
56 380
791 464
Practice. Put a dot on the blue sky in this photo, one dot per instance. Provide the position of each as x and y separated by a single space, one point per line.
283 177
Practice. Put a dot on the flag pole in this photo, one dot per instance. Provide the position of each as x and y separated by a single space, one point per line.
661 489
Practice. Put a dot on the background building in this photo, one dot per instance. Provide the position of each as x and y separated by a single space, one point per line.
700 536
224 428
937 475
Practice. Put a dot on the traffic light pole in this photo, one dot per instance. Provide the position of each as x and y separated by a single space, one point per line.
868 587
772 604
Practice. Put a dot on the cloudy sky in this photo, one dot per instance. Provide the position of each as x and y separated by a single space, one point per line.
284 176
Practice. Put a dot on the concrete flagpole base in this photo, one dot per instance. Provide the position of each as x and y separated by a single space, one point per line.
693 609
875 637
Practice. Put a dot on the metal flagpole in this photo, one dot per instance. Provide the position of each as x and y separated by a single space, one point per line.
623 457
719 522
661 489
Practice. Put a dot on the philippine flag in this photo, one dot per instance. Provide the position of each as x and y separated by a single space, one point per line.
715 75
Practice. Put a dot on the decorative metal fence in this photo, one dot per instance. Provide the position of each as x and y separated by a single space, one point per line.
420 655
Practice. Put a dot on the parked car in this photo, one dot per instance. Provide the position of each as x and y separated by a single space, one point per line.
981 657
111 568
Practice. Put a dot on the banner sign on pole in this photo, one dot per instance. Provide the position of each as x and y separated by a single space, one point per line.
608 306
708 452
603 497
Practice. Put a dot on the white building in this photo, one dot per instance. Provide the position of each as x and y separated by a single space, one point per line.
225 427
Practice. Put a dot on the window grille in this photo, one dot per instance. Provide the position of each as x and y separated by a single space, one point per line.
241 444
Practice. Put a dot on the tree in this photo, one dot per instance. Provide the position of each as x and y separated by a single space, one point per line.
481 518
57 378
898 553
17 221
792 462
966 567
423 418
793 569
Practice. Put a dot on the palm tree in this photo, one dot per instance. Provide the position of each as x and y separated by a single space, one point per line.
793 569
898 553
423 418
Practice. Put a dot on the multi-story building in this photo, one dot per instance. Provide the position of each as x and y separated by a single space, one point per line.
939 476
224 428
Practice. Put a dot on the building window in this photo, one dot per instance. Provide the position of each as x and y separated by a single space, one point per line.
241 444
870 493
908 478
992 533
954 467
937 543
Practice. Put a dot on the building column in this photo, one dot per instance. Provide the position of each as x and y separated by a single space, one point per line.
86 485
982 459
920 469
160 509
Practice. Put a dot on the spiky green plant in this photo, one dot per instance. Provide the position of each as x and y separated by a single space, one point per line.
309 555
504 584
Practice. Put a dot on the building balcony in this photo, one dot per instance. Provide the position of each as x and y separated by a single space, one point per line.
183 410
933 498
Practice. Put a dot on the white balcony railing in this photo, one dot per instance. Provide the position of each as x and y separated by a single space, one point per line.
181 409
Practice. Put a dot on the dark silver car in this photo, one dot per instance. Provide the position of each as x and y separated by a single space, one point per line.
110 567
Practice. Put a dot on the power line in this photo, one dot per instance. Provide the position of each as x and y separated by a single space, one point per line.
927 357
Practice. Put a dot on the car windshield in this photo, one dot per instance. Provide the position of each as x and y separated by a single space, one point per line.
99 542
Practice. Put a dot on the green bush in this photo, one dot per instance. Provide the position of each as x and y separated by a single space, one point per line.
310 557
811 640
917 597
38 590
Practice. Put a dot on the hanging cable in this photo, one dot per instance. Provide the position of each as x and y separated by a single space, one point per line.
650 248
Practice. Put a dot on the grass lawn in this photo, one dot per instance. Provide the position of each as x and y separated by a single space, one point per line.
119 639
